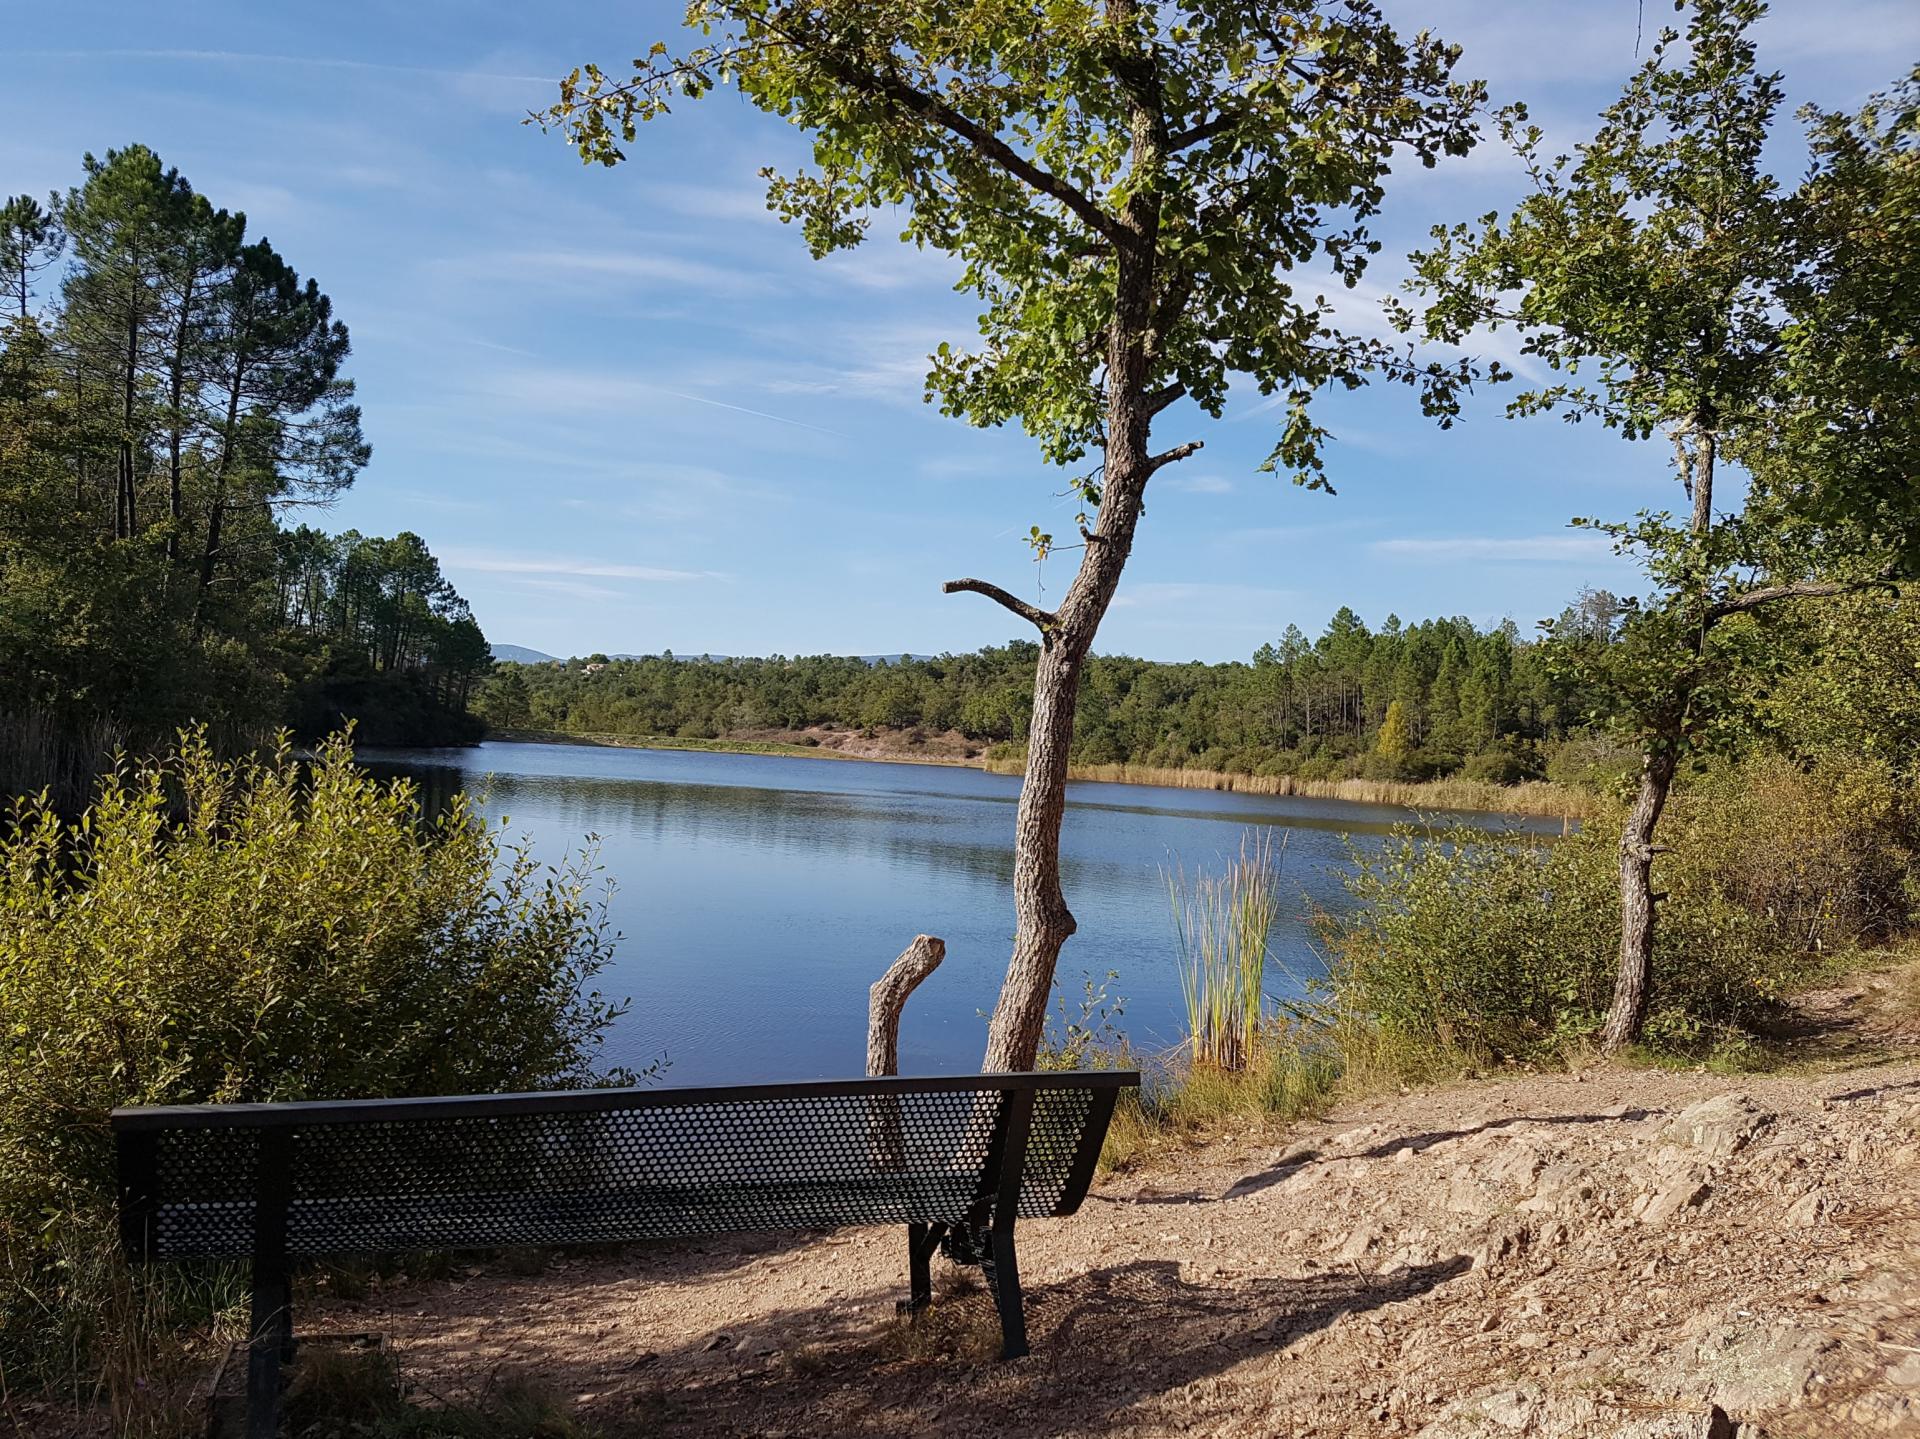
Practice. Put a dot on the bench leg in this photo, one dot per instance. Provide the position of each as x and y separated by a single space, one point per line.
1003 1278
922 1240
270 1342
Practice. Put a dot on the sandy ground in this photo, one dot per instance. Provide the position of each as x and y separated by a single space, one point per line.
1626 1253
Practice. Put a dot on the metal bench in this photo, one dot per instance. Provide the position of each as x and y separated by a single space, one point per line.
955 1159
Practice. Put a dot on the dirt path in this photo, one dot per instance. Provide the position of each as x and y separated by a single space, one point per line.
1605 1254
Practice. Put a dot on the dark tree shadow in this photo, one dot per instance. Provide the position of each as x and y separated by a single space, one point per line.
1875 1091
1102 1342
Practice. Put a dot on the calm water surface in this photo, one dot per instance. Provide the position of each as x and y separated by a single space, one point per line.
760 895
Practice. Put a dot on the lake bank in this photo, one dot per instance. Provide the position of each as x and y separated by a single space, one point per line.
1534 798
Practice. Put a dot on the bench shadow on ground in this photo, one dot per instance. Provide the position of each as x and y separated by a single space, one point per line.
1102 1343
1415 1143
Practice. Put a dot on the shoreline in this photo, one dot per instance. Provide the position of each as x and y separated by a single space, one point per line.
1533 798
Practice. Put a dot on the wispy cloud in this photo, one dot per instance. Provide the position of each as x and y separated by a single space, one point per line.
576 391
570 589
1531 549
595 268
495 562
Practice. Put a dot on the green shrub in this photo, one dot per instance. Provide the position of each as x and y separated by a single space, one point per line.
1507 947
261 931
1593 760
1507 765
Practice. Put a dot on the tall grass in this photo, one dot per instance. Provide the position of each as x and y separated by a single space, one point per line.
1533 797
1222 923
39 753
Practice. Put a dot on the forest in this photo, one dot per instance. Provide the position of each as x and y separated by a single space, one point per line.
172 392
1405 701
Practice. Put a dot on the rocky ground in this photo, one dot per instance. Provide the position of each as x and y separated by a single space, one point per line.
1616 1252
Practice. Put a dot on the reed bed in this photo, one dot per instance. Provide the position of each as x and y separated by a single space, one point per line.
1532 797
38 752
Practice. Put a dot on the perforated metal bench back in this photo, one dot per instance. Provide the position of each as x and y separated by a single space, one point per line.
600 1166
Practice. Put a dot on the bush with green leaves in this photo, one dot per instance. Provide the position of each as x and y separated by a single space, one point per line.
1508 947
256 931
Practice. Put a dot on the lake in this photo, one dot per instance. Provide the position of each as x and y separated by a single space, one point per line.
758 896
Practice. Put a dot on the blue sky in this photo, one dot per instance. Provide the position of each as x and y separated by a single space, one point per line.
630 413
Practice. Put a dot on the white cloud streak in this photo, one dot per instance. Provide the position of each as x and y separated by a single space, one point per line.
494 562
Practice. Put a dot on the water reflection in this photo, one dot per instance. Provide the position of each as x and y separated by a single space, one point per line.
760 895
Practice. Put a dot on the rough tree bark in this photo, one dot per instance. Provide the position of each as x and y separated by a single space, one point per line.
1637 900
1634 979
886 1132
889 996
1043 922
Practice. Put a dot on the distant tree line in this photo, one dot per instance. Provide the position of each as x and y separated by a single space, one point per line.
169 389
1403 701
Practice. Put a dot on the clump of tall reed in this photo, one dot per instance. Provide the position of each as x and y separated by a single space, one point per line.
1453 792
1222 925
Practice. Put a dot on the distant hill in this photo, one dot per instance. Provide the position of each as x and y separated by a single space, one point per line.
520 655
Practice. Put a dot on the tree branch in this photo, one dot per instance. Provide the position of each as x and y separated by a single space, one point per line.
888 85
1205 130
1798 590
1178 452
1042 620
1164 396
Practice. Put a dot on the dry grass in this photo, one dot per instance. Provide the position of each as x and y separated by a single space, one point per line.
1534 797
1906 995
338 1393
1298 1068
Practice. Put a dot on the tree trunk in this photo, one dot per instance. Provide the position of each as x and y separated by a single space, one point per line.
1043 923
886 1127
217 511
177 384
1657 767
889 996
1637 900
123 503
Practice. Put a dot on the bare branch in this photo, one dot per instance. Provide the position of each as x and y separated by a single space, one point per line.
1178 452
1040 619
1798 590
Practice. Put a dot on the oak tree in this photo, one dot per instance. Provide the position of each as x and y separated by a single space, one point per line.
1144 198
1670 287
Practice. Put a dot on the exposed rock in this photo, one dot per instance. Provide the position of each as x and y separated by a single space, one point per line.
1686 1191
1528 1411
1502 1242
1717 1128
1805 1211
1747 1368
